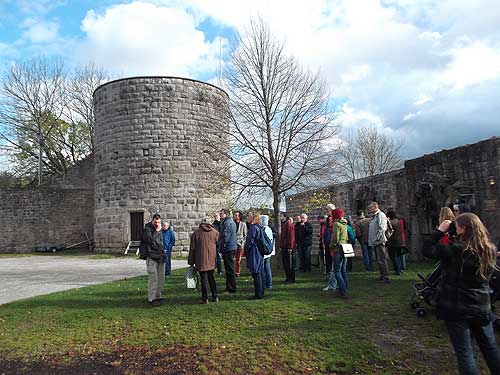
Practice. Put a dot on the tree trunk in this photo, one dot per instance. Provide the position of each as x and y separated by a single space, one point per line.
277 225
40 158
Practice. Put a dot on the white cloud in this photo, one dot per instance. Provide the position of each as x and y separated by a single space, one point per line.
407 66
38 31
38 7
410 116
142 38
472 65
423 99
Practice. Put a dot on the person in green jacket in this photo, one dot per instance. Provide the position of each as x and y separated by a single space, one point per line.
339 237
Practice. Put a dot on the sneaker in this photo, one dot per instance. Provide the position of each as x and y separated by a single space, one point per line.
326 289
216 299
204 302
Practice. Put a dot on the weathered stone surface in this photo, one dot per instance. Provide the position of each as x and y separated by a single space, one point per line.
150 156
467 174
57 213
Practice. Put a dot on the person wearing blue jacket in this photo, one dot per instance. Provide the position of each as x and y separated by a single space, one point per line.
168 236
227 246
255 260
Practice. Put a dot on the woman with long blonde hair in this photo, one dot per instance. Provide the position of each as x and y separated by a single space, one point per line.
446 214
463 291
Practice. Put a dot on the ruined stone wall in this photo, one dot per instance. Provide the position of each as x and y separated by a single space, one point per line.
151 156
389 189
56 213
467 174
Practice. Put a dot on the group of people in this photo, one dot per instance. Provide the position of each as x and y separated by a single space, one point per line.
460 242
231 238
380 238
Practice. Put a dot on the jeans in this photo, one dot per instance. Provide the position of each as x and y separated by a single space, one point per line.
403 262
207 279
460 336
367 252
289 262
168 262
332 280
340 270
395 254
267 273
228 258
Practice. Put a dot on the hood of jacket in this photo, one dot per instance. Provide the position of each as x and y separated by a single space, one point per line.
206 227
341 221
265 220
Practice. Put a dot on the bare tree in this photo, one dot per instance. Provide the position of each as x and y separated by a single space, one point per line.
47 117
81 86
280 120
369 152
32 100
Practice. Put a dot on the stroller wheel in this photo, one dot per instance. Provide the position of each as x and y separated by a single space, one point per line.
414 304
421 312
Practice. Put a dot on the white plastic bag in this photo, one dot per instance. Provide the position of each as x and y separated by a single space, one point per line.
191 278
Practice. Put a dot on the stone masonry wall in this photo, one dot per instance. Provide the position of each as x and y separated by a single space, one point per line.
57 213
151 156
467 174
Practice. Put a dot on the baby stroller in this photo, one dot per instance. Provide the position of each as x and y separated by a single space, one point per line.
425 291
495 294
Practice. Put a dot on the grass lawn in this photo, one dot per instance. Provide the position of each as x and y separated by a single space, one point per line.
296 329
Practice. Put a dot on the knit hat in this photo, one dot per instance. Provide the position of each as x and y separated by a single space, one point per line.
337 213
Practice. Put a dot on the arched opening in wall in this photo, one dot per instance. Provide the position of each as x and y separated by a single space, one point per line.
136 225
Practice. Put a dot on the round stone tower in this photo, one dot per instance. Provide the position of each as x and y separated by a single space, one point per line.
152 146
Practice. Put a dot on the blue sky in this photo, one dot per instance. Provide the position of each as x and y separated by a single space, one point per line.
425 71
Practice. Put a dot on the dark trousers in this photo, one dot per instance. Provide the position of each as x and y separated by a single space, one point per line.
289 263
218 260
208 279
305 257
460 333
259 282
328 259
228 258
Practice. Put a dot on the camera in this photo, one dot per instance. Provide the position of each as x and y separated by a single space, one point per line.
452 231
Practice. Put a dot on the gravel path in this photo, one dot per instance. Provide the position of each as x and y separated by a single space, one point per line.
25 277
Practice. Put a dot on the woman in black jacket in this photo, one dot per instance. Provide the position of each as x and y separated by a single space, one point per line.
463 290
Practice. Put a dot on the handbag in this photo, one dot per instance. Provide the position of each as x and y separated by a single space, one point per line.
191 278
347 250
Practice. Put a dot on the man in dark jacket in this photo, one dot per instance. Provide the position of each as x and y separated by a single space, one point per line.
227 247
287 247
151 249
304 242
